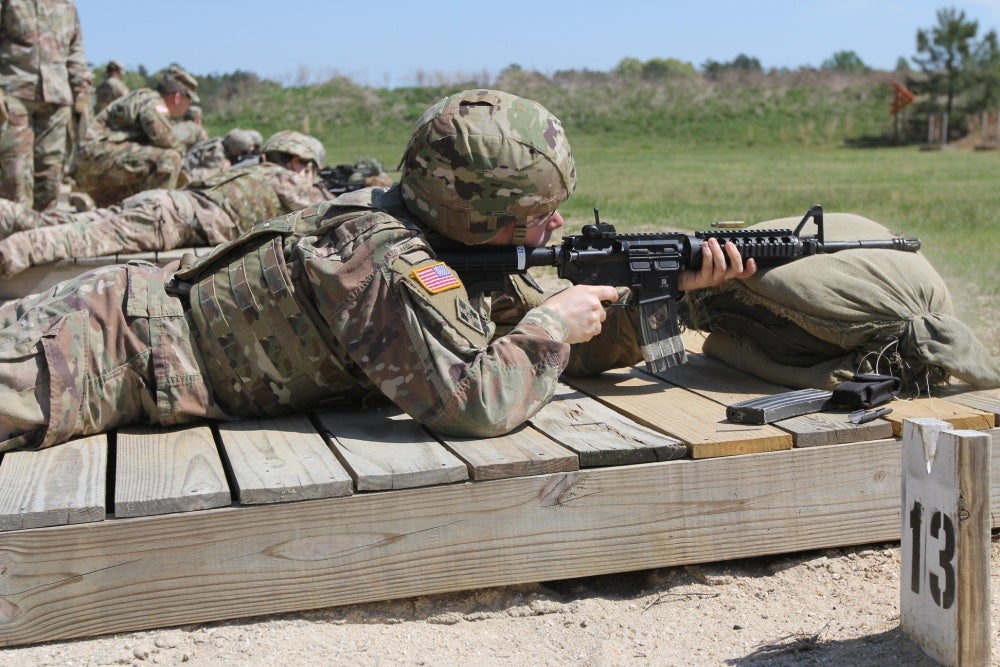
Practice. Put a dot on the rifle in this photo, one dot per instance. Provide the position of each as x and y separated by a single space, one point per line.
349 177
335 179
649 264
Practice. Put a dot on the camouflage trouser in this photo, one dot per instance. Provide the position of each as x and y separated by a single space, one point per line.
32 152
152 220
103 350
110 172
15 217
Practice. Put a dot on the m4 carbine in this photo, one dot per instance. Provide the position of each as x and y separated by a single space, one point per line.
649 264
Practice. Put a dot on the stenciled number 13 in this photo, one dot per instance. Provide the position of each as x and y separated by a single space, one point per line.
940 522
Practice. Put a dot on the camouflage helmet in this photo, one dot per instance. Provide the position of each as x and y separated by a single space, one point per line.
295 143
239 142
479 159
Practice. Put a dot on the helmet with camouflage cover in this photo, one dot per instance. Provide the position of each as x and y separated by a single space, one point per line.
479 159
239 142
294 143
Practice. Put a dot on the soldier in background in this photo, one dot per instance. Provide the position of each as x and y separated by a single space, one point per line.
113 85
131 146
345 299
218 154
45 76
189 129
204 213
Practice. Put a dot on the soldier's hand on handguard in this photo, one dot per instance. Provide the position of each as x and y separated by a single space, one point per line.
582 309
718 264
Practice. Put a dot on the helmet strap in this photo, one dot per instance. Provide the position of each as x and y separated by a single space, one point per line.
520 232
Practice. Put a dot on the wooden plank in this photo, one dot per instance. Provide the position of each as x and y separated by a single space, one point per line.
55 486
279 460
832 428
718 381
722 383
168 470
523 451
386 449
697 421
599 435
959 416
117 576
987 400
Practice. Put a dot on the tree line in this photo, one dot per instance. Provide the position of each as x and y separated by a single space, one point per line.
955 70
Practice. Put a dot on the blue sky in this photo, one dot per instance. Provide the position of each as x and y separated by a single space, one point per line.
393 42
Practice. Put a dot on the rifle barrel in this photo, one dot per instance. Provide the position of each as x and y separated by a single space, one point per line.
909 245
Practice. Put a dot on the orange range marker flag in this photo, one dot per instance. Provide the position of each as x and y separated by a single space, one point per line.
900 97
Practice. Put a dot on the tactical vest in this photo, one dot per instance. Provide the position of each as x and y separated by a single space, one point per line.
266 351
246 195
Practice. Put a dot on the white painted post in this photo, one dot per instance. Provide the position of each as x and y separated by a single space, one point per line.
945 545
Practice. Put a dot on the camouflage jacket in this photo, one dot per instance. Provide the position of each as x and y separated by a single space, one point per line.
248 195
347 297
41 51
140 117
110 90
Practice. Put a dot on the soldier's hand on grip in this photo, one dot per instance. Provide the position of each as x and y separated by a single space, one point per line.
582 308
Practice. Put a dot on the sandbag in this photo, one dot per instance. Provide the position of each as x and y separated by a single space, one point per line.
819 320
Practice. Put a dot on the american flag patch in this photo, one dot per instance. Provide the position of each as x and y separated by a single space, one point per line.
437 278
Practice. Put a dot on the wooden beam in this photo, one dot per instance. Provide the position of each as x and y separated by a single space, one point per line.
720 382
168 470
156 571
959 416
281 460
523 451
55 486
386 449
697 421
599 435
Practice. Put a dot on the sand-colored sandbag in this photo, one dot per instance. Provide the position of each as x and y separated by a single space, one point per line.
817 320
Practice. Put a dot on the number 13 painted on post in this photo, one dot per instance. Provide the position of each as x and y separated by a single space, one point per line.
941 529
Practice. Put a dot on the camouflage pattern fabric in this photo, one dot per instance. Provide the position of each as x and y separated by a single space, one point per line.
370 310
480 159
15 217
205 159
130 147
103 350
214 156
250 194
206 213
110 90
189 133
42 71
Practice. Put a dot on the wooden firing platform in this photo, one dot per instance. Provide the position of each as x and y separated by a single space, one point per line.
146 528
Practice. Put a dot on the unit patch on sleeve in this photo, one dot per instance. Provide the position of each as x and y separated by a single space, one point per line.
436 278
467 314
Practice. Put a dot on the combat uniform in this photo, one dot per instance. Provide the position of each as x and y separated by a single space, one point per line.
356 303
130 147
110 90
189 133
204 213
15 217
43 72
342 299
